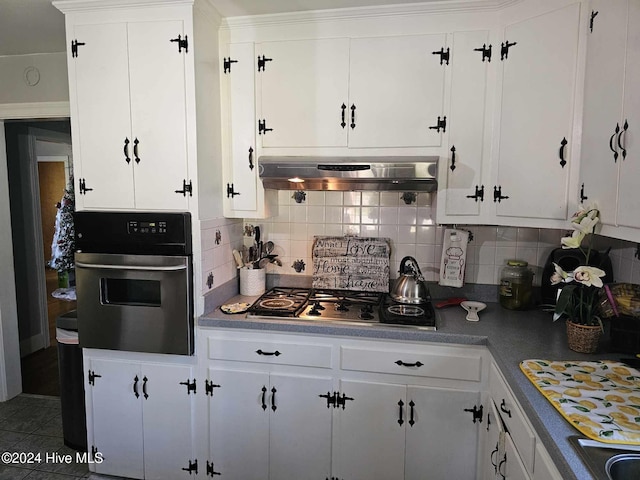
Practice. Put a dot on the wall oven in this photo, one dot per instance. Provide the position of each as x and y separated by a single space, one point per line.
134 281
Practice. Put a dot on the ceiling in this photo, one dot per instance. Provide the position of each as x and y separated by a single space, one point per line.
35 26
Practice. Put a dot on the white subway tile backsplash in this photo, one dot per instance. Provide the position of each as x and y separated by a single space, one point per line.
411 230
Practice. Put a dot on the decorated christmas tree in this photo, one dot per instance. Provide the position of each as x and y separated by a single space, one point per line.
64 245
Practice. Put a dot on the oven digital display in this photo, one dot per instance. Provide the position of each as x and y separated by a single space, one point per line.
146 228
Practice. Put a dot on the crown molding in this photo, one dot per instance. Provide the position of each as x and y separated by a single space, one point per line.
336 14
15 111
69 6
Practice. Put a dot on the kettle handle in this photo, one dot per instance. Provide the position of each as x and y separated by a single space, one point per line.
414 268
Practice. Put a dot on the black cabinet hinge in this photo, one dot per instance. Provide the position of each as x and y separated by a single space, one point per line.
479 195
92 377
504 49
476 412
331 398
83 187
208 387
342 400
74 47
261 62
444 55
583 197
227 64
182 43
593 15
486 52
335 399
186 188
230 192
497 194
210 471
262 127
192 468
441 124
191 386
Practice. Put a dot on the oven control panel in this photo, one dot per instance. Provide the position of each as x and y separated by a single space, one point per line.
146 228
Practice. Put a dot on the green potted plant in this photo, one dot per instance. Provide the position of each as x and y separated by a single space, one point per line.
578 300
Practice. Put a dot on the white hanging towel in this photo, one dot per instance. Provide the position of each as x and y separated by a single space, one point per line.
454 256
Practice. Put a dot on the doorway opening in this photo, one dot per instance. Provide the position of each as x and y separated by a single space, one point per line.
39 164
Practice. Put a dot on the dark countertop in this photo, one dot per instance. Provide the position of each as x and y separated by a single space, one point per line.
510 336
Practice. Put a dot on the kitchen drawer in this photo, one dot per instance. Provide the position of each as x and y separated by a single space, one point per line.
513 418
272 352
410 362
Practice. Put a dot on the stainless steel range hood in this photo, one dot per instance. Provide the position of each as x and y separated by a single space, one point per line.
416 174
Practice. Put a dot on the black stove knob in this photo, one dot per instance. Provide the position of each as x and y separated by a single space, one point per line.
314 312
318 306
342 306
366 313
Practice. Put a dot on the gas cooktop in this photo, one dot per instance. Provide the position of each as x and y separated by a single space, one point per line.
341 306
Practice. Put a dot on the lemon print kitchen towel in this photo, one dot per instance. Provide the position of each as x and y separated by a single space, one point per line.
601 398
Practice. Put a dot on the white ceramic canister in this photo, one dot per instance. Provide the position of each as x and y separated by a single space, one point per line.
252 281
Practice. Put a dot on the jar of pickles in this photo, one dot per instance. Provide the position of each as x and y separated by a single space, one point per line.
516 285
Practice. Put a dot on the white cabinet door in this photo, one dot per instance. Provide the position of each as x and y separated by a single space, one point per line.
102 118
277 424
299 428
463 188
511 466
158 115
538 87
167 414
239 424
440 422
493 431
242 166
603 94
370 439
116 417
130 116
396 85
629 194
303 86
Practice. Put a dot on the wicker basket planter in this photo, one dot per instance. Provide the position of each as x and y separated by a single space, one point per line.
583 338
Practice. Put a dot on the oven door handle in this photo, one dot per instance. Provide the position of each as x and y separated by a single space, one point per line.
103 266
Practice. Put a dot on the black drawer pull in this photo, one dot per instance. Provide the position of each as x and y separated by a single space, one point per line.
261 352
135 387
404 364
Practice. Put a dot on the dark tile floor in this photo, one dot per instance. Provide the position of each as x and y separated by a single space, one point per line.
31 424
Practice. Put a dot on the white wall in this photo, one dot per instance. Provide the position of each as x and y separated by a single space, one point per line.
49 98
52 85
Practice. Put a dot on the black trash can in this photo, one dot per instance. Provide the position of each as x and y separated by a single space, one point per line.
74 424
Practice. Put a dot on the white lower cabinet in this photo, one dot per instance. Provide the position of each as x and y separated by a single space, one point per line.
139 417
518 453
276 423
404 431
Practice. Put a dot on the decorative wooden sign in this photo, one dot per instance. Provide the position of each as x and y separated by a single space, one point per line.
351 263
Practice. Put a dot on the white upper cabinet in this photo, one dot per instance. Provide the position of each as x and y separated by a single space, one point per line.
534 158
462 189
303 84
241 172
396 91
357 93
610 161
129 112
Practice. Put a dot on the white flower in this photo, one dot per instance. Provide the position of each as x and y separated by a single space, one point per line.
560 276
589 276
585 220
573 241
